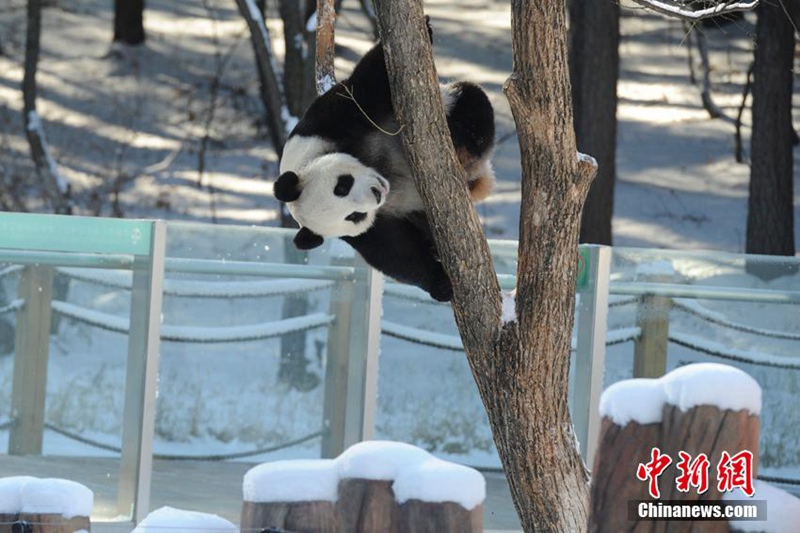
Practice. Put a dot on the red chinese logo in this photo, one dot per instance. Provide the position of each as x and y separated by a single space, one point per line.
736 472
732 472
693 473
650 471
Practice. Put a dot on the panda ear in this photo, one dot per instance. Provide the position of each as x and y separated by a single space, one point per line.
287 187
307 239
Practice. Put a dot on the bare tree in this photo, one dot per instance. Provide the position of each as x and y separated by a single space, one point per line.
56 187
594 70
129 22
520 365
770 211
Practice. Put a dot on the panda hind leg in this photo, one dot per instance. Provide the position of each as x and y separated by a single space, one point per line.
470 117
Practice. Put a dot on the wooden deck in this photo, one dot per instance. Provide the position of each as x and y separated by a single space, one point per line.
210 487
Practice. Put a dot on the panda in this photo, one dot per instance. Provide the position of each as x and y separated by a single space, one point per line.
344 173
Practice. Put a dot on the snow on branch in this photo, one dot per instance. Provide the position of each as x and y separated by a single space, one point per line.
325 19
696 10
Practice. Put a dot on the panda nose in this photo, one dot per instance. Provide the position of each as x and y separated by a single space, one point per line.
376 192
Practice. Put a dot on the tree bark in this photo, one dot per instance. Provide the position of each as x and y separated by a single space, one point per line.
770 211
129 21
594 70
520 367
56 187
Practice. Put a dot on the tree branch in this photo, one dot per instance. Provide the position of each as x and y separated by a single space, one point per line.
456 228
325 53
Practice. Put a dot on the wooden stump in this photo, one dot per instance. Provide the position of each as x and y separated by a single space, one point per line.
317 516
54 523
614 482
367 505
675 415
428 517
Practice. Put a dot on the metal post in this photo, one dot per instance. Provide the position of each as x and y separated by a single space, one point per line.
351 377
650 348
136 461
31 348
591 351
336 365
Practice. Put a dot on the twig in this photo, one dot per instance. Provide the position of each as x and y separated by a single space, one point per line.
738 150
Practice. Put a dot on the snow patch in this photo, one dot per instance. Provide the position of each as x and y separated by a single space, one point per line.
586 158
661 268
292 481
171 520
715 384
440 481
509 313
311 23
642 400
783 509
326 83
633 400
379 460
416 474
25 494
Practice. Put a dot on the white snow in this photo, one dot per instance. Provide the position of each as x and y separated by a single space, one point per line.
723 386
509 313
783 509
292 481
326 83
416 475
379 460
642 400
421 336
633 400
172 520
435 480
311 23
586 158
289 120
35 125
25 494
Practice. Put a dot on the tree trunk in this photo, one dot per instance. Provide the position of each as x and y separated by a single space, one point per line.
56 187
521 367
594 70
770 211
129 21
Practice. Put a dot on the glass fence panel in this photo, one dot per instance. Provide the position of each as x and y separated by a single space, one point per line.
249 323
676 308
65 305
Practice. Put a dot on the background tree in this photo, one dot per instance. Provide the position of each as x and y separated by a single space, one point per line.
521 366
770 213
129 22
594 70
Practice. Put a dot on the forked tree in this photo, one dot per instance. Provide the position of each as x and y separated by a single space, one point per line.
520 363
520 366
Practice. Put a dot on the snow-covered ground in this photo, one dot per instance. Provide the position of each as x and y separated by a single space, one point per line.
135 125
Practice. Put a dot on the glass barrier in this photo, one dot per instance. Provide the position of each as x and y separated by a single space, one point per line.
265 352
669 308
77 358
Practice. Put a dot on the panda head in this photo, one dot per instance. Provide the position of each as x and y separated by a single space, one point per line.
334 195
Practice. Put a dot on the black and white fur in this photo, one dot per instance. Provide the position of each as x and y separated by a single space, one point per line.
343 174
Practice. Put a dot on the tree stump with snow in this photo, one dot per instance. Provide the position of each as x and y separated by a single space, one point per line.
372 486
50 505
691 416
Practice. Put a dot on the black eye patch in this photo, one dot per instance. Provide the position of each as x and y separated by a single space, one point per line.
343 185
355 217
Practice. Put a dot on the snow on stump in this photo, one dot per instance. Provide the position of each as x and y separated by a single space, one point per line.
672 438
45 505
297 495
783 510
171 520
371 486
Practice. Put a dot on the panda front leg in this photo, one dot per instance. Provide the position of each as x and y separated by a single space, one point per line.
404 251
